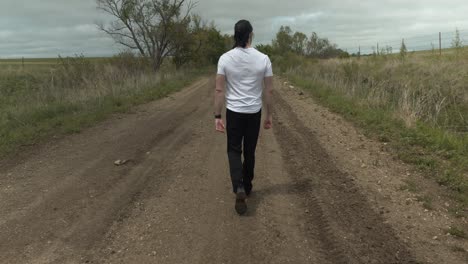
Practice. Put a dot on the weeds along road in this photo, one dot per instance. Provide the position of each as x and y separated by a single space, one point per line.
67 202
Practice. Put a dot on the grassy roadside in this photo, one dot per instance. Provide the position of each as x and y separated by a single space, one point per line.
441 153
36 104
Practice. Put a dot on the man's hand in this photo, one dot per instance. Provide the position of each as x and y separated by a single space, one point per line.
219 124
268 122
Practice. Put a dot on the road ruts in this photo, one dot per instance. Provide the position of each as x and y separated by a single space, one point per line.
340 217
172 203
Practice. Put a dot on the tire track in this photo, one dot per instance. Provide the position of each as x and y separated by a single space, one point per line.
348 229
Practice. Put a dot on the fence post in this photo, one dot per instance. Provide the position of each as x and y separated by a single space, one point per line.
440 43
22 62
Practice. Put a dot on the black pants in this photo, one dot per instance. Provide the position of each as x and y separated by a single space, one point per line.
242 128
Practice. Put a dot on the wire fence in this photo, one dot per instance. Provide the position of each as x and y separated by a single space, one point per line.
429 42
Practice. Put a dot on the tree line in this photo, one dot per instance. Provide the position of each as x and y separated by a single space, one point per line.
166 29
286 42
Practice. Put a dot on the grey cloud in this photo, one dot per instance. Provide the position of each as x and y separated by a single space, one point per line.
348 23
46 28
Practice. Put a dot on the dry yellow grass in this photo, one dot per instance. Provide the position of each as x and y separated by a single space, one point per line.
71 93
419 104
420 88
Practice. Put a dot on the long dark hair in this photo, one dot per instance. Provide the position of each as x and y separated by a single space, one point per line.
242 31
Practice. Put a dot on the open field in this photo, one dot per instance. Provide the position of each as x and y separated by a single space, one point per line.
427 53
42 61
50 97
417 105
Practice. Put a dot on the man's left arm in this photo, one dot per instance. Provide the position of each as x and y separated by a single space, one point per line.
219 102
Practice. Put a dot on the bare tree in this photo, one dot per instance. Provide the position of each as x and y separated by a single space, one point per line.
152 27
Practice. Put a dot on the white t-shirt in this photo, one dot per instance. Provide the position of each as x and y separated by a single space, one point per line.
245 70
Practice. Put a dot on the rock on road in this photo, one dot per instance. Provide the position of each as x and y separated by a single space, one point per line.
67 202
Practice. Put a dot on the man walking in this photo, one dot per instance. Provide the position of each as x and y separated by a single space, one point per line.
244 78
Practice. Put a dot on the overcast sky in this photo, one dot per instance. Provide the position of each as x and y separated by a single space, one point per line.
47 28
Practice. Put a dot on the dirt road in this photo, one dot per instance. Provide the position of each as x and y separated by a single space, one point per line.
66 201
